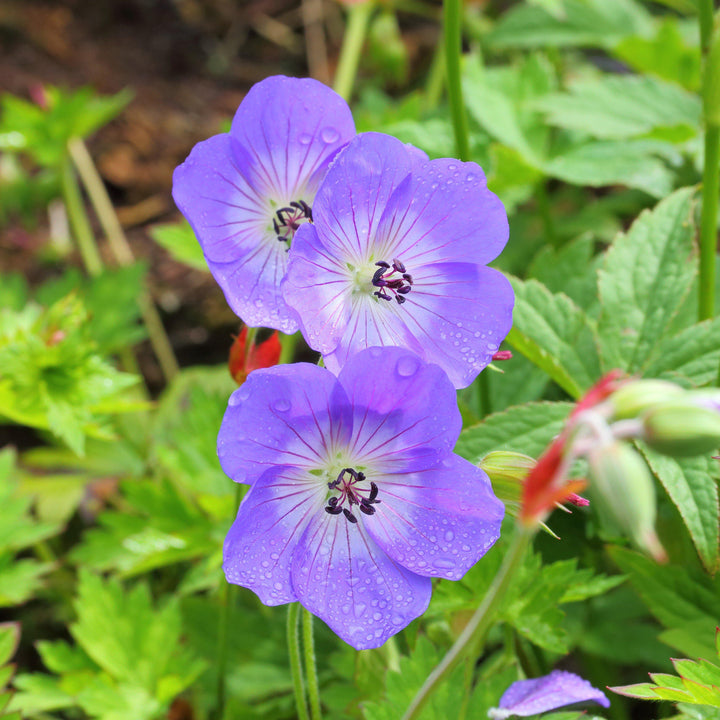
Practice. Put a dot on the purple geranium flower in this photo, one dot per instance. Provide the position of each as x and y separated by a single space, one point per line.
357 499
559 688
246 192
397 255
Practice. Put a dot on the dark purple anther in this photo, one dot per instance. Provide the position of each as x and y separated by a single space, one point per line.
349 515
348 485
289 219
367 508
373 492
385 279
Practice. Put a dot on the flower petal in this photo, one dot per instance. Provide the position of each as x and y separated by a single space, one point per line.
439 521
355 191
444 214
559 688
343 577
271 519
284 415
292 127
461 312
232 222
405 413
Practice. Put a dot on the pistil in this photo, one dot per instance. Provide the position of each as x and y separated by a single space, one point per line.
351 493
288 219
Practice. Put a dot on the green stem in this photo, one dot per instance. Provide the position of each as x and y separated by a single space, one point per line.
452 20
311 665
293 641
287 347
227 600
483 385
474 632
436 76
357 25
705 16
79 221
708 222
123 253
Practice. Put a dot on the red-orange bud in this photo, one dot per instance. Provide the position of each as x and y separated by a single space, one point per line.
243 359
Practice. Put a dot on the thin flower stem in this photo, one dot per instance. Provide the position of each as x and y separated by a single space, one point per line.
436 77
452 21
474 632
355 32
710 189
293 641
227 601
123 254
311 665
287 347
79 221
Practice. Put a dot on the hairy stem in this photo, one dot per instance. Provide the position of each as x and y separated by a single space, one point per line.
293 640
311 665
474 632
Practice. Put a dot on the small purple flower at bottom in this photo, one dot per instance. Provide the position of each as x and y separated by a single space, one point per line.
356 497
246 192
559 688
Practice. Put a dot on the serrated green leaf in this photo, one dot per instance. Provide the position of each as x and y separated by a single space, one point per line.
643 281
601 23
20 579
526 428
692 486
690 358
643 691
9 639
620 107
570 270
556 335
673 595
633 163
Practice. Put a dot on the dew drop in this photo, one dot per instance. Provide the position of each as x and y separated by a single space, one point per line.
329 135
281 405
305 139
444 563
449 535
407 366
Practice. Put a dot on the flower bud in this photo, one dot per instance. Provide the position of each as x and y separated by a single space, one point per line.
624 488
637 396
507 472
682 428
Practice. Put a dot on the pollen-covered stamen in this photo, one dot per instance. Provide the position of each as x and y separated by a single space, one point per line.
350 493
288 219
393 278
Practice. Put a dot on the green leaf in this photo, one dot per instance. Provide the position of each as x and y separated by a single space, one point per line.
634 163
556 335
620 107
570 270
180 241
675 596
691 484
644 279
526 429
600 23
690 358
666 53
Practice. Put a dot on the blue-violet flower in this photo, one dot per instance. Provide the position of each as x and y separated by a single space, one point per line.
246 192
356 497
397 254
559 688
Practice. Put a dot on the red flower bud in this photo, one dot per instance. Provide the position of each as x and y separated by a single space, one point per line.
244 359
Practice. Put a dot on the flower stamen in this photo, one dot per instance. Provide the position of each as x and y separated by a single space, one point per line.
385 279
288 219
349 490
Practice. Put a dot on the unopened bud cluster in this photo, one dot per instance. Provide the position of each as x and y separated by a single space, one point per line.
617 411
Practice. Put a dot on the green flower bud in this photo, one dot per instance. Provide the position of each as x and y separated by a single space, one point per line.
623 487
682 428
507 472
637 396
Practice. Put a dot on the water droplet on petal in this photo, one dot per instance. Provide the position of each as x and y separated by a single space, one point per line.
329 135
444 563
407 366
449 535
305 139
281 405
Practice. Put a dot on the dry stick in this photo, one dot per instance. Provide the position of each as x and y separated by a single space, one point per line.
123 254
315 45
